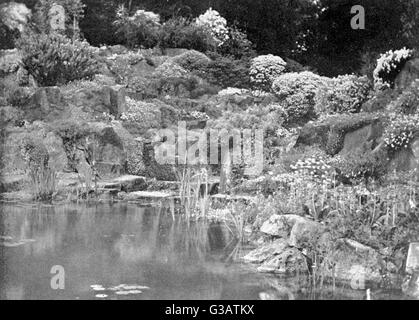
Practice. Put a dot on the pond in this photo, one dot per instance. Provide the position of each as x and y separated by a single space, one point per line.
126 251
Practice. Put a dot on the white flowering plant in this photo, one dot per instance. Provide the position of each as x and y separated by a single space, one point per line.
389 65
265 69
140 29
232 91
401 131
169 69
315 168
216 24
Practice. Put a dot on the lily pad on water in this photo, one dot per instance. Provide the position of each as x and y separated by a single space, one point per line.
122 293
97 287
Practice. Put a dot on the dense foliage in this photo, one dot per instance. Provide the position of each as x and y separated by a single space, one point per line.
55 60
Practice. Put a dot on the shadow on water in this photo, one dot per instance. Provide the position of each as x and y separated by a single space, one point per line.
124 251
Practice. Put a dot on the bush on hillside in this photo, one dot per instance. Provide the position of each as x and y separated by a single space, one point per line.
389 65
169 69
192 60
56 60
344 94
297 93
216 24
182 33
142 29
237 45
226 72
265 69
401 131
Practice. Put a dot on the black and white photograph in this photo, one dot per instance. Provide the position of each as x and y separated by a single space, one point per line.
221 152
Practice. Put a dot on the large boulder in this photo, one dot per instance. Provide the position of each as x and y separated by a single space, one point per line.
110 155
277 257
87 103
406 159
409 74
292 227
95 100
357 263
263 253
46 104
362 137
290 261
303 231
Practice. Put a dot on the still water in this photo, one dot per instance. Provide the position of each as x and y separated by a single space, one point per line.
125 251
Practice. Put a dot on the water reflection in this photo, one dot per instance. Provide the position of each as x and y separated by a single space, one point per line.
124 251
111 245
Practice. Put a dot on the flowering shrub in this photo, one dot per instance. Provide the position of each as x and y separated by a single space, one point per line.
400 131
182 33
169 69
344 94
192 60
314 168
215 23
140 111
265 69
362 164
237 44
389 65
140 29
226 72
297 92
56 60
193 115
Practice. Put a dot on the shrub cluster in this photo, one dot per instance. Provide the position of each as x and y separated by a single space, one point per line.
389 65
400 131
140 29
226 72
297 93
180 32
265 69
192 60
169 69
344 94
56 60
216 24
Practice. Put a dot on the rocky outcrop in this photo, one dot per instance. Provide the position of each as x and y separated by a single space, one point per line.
357 263
96 100
292 227
278 257
406 159
353 262
357 140
53 103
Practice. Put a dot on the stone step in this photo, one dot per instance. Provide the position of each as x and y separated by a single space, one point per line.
126 183
149 195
